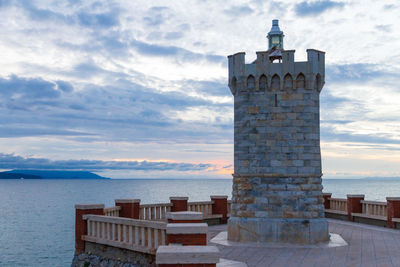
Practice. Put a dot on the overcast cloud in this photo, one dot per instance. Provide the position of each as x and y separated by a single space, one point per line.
141 85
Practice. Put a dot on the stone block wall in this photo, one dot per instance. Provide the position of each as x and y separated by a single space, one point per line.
277 132
277 197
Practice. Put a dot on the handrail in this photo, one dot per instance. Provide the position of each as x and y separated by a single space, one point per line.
138 235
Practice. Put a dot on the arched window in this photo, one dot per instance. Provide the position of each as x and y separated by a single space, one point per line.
275 82
301 81
233 85
288 82
262 83
251 83
317 84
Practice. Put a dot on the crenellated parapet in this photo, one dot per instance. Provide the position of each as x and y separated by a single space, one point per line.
265 76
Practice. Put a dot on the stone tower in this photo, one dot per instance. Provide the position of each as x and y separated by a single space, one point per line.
277 191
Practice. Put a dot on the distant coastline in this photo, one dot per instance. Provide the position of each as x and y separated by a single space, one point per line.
41 174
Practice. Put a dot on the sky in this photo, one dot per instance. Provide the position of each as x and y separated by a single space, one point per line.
138 89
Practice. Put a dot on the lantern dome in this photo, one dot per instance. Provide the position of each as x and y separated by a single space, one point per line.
275 36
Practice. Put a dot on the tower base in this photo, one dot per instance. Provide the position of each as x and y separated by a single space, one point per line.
298 231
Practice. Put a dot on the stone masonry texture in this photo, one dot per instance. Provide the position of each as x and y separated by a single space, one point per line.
98 255
277 190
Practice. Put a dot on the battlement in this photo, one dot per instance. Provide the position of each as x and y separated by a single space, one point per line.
264 75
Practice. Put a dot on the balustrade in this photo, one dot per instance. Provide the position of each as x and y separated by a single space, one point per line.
374 208
149 232
138 235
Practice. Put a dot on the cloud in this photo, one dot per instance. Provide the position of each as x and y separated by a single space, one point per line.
19 88
215 88
4 3
102 20
125 110
173 35
65 86
154 20
178 53
89 73
355 73
90 17
10 161
40 130
329 133
236 11
314 8
40 14
385 28
277 6
330 102
156 16
108 45
389 7
358 104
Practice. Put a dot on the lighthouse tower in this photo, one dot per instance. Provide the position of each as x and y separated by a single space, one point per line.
277 191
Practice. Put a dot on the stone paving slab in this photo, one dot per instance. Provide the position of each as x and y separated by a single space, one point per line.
367 246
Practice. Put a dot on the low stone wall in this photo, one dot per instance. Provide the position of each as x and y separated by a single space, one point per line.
336 216
370 221
101 255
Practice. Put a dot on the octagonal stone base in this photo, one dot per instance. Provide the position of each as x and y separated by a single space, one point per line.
299 231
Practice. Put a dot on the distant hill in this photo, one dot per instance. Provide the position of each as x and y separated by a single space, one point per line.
7 175
38 174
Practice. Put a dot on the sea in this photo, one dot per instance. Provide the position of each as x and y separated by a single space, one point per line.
37 216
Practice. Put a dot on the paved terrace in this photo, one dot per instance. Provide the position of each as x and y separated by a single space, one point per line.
367 246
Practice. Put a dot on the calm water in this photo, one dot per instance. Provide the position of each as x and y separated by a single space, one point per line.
37 216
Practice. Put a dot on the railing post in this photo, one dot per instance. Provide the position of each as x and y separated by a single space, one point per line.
81 225
130 208
327 202
354 205
393 210
220 206
179 203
